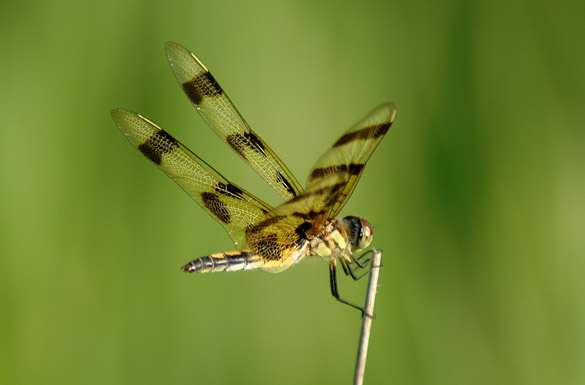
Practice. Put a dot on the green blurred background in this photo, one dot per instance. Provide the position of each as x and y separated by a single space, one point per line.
477 194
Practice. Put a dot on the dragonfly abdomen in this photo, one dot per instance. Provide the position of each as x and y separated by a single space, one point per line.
229 261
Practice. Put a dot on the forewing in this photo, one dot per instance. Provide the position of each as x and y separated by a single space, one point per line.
351 152
280 236
221 115
314 204
234 208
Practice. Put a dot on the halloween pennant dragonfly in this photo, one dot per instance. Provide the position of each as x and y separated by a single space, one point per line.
267 238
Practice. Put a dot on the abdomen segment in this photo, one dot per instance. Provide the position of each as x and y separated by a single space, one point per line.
230 261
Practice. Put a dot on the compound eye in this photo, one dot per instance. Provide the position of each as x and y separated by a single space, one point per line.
359 231
366 234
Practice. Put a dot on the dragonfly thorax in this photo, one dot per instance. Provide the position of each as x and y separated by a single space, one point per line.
332 242
343 237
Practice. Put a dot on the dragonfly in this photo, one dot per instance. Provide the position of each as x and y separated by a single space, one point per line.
266 238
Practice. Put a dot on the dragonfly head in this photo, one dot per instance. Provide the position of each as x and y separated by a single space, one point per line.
359 232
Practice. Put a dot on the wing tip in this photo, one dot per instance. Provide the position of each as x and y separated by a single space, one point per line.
118 114
179 57
121 114
171 47
390 110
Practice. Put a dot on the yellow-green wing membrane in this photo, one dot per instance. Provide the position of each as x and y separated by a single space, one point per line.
219 113
351 152
234 208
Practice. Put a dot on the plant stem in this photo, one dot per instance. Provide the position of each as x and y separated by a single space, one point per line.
367 317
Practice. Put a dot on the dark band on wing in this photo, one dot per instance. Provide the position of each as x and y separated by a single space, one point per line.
256 141
264 224
331 193
216 206
351 169
202 85
363 134
157 145
230 190
240 143
280 179
311 215
302 230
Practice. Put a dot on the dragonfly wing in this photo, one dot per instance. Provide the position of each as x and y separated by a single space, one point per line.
351 152
223 118
233 207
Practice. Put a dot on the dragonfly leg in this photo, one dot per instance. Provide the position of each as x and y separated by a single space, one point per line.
334 288
363 259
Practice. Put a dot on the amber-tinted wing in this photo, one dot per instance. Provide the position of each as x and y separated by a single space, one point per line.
351 152
234 208
219 113
279 237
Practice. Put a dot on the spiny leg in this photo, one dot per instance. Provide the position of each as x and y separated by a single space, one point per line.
357 277
362 261
359 261
335 290
345 266
350 269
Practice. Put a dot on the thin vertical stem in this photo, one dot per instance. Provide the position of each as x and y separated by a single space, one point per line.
367 317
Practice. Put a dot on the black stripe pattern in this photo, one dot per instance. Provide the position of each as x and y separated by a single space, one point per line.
157 145
280 179
202 85
218 262
242 142
363 134
216 206
351 169
230 190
